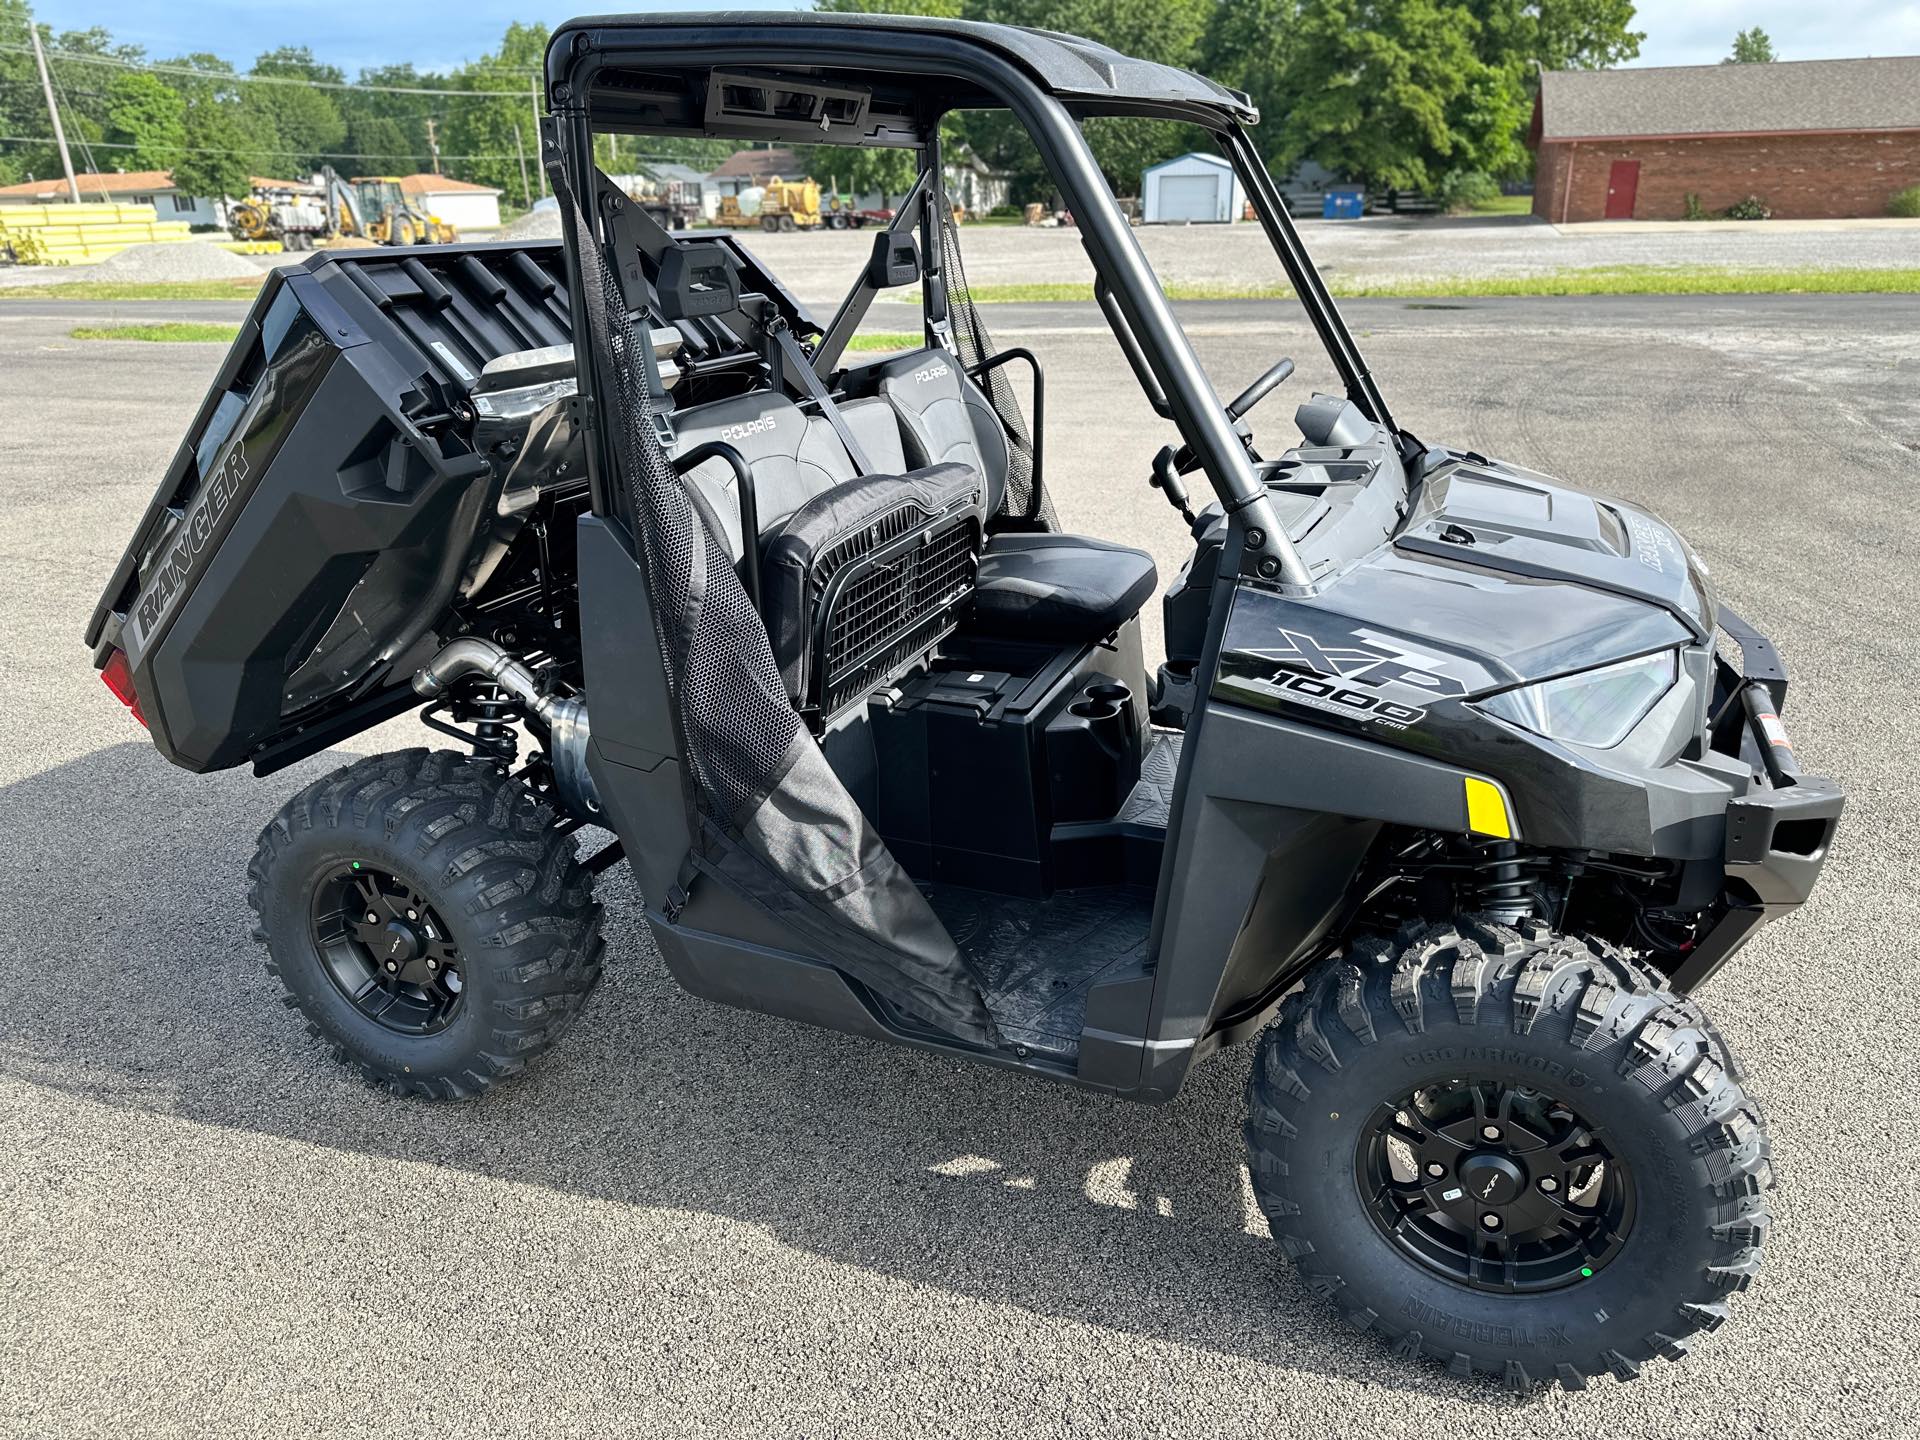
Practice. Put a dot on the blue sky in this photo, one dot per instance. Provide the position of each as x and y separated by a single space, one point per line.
432 33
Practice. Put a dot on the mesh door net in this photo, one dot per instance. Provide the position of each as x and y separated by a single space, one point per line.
773 821
1026 499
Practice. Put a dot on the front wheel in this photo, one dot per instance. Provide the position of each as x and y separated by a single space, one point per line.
425 916
1512 1153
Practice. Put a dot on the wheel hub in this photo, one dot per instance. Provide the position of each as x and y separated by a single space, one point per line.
1491 1179
1496 1187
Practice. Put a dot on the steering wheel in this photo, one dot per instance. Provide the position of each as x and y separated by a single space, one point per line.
1185 462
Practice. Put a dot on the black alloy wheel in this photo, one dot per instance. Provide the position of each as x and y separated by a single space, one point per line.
1497 1187
386 949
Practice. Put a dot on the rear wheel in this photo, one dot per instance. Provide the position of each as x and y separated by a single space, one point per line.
422 913
1511 1153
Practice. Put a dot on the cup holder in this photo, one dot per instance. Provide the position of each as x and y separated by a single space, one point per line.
1181 672
1101 702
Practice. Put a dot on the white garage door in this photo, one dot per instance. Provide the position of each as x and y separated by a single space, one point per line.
1190 197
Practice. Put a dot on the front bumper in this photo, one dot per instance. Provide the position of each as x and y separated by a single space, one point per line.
1779 832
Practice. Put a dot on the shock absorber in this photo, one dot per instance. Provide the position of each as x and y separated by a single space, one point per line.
493 711
1500 883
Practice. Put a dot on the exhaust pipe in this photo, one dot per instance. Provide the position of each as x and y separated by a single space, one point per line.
562 721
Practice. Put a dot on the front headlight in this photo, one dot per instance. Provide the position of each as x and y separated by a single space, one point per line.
1594 707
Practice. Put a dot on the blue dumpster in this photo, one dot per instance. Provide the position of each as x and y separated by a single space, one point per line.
1343 205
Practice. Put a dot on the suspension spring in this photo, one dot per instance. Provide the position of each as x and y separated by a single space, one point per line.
493 712
1500 883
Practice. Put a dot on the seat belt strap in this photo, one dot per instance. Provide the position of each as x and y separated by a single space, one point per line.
796 364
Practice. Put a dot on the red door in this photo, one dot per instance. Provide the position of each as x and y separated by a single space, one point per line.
1622 181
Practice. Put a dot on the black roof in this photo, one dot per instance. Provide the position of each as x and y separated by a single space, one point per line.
1074 70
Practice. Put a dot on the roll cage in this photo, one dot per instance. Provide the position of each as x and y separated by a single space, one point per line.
889 80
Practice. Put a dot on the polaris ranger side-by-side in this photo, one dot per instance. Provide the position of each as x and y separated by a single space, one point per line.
1453 784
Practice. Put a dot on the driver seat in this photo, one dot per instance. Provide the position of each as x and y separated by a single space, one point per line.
1067 589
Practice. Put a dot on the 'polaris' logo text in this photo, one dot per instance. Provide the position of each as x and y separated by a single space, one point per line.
932 372
746 428
186 547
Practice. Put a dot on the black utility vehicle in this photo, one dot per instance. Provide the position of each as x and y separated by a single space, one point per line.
1455 780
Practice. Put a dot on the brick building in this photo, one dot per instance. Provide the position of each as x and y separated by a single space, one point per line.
1809 138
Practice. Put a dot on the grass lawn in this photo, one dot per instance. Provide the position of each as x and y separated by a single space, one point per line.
1504 205
1601 280
182 330
241 287
886 340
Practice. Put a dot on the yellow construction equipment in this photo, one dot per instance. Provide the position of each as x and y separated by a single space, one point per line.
777 205
374 207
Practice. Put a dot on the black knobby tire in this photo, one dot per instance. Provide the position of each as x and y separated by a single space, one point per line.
1560 1016
509 892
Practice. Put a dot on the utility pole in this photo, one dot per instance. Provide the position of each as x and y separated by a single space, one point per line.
53 113
433 144
533 89
520 150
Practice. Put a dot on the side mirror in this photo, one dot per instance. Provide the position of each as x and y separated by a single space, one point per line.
895 261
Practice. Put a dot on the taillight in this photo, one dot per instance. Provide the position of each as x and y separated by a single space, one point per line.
118 676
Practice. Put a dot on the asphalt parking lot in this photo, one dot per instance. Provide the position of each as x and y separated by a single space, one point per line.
696 1221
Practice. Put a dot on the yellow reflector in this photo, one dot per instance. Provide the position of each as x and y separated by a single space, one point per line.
1487 810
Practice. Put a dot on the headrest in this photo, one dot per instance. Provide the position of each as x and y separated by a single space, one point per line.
697 278
895 260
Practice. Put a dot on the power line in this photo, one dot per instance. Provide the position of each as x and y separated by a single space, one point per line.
226 76
324 154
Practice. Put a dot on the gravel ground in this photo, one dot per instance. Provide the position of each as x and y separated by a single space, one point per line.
143 265
695 1221
816 266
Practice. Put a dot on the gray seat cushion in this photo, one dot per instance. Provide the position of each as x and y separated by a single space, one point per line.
1064 588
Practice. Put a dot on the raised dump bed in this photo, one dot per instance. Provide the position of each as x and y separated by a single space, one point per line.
347 484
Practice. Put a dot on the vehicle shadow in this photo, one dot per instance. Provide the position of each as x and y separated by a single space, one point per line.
985 1184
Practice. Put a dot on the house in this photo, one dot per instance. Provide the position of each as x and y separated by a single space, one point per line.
749 169
462 205
1195 187
974 185
1808 138
148 187
125 187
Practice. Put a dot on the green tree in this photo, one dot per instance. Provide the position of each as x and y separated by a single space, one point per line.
1751 47
405 153
22 111
292 127
221 153
483 127
147 115
1555 34
1397 94
379 145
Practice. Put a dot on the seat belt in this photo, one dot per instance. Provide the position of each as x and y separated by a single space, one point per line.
799 367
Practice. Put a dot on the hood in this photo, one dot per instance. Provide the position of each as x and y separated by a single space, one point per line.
1519 578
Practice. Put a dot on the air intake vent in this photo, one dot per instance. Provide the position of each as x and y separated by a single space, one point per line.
785 106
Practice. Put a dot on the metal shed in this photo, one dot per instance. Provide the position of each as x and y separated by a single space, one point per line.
1189 189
